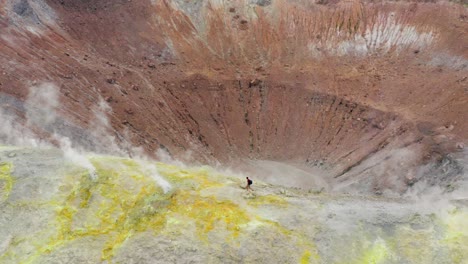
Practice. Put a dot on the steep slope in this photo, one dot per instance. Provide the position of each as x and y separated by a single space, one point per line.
359 92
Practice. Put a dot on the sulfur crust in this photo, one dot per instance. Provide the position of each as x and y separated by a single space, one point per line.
123 201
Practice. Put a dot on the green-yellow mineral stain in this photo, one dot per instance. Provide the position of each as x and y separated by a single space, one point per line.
124 200
305 259
376 254
6 180
120 202
456 236
368 252
269 199
417 246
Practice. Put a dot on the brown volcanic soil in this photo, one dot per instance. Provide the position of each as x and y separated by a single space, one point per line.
361 92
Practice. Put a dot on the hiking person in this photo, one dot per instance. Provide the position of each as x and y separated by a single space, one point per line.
249 182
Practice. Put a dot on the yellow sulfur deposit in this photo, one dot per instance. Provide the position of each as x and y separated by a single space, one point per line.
305 259
125 209
268 200
377 253
6 180
207 212
123 200
457 236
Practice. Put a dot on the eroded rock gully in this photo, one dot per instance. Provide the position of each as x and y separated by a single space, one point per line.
362 93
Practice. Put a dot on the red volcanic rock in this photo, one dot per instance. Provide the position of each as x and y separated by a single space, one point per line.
346 83
243 24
